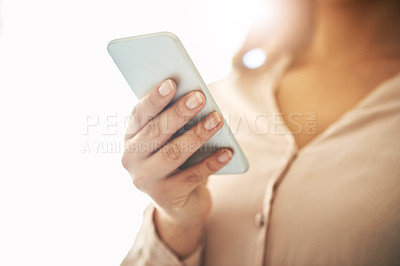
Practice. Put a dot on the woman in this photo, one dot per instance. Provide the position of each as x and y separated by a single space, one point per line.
319 122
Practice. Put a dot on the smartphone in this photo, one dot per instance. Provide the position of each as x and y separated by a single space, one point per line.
146 60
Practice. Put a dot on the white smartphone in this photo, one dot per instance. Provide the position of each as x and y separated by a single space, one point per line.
146 60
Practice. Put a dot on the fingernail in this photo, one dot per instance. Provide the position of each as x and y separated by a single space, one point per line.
212 121
194 100
225 156
166 88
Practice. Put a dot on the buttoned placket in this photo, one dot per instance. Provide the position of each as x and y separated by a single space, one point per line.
262 218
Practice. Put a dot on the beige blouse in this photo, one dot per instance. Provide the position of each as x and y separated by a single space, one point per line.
336 201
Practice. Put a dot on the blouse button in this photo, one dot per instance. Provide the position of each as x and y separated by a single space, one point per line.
260 219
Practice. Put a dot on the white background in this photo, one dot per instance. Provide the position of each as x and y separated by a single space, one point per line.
62 201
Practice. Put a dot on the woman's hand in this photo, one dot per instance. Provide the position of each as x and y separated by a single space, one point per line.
152 158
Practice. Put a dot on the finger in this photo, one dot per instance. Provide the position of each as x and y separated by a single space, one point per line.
179 186
195 175
177 151
150 106
161 128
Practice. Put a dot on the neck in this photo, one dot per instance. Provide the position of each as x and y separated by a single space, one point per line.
356 28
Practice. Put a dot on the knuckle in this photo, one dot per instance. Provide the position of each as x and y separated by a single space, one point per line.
178 112
211 168
130 148
153 128
151 98
194 177
136 117
137 175
197 135
172 151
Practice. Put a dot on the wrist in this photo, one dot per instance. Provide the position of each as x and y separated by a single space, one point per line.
181 235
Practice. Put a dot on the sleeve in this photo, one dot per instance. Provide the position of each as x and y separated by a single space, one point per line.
150 250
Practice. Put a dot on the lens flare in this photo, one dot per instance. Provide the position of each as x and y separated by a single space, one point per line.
254 58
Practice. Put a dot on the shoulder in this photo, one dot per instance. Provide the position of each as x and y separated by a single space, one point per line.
249 85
